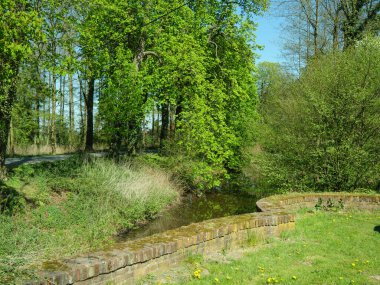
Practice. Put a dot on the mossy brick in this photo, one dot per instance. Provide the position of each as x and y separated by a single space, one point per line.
202 237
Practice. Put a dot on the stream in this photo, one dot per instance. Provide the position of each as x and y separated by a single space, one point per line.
193 209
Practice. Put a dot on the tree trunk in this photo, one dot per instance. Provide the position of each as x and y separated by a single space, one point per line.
178 112
4 132
315 34
5 120
153 124
115 143
71 110
164 123
37 118
82 92
62 110
90 115
172 110
11 145
53 126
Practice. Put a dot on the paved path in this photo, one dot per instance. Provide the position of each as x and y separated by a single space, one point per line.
16 161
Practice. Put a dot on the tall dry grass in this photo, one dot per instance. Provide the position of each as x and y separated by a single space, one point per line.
98 199
143 187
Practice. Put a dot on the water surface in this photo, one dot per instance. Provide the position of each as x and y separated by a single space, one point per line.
193 209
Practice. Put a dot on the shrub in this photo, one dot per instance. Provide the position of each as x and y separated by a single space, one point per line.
322 133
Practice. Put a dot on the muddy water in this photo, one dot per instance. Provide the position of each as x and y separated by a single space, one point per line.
194 209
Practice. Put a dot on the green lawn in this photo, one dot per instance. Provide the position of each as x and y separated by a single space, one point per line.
325 248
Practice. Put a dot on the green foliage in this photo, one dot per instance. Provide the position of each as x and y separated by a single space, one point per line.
122 106
73 206
19 25
194 64
321 132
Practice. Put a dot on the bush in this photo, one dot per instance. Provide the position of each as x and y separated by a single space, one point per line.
322 133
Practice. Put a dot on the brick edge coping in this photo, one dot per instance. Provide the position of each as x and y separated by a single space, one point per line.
275 215
287 202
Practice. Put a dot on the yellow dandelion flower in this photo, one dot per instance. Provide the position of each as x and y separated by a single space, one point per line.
197 273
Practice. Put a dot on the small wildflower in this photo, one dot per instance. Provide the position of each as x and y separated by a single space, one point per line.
294 277
353 264
216 280
261 269
197 274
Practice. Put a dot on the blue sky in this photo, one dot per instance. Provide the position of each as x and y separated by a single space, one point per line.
268 33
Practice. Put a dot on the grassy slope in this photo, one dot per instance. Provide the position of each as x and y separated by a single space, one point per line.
66 208
325 248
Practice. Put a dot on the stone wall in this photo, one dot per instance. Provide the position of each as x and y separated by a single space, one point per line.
129 261
291 202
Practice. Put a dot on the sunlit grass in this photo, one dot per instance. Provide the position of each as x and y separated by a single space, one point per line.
325 248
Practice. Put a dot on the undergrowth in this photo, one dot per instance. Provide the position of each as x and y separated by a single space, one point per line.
60 209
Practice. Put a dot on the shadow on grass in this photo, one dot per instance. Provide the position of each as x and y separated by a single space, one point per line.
377 229
11 201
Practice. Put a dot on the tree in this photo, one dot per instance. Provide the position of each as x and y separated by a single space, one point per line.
322 133
19 24
271 79
318 26
360 16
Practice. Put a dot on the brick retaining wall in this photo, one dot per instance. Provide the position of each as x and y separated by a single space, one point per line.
129 261
291 202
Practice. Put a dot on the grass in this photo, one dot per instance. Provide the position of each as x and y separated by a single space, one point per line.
325 248
56 210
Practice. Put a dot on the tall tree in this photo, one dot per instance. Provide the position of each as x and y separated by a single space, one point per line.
19 24
319 26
